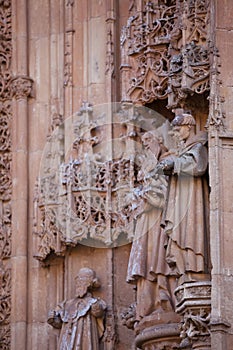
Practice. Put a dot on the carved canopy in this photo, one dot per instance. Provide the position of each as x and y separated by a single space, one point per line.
165 51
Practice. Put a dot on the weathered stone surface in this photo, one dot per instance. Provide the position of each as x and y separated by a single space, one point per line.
57 54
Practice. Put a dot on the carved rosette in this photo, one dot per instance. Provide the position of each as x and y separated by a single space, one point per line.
21 87
194 305
5 171
165 51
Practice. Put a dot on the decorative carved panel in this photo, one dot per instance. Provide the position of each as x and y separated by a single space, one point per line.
5 171
89 195
21 87
5 306
165 51
194 305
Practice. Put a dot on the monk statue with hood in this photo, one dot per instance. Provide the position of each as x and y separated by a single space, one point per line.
185 217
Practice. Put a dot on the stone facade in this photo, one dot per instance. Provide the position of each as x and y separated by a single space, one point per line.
88 167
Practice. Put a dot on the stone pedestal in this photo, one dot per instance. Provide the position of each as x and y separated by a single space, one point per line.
194 305
163 336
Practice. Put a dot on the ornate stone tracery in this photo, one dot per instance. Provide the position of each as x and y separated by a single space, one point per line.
89 199
165 51
5 306
165 56
5 171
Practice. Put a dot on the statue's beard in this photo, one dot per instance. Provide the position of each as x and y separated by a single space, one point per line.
81 290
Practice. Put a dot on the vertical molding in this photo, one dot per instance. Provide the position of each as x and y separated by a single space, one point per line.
216 127
111 50
21 90
68 96
68 58
56 64
110 84
5 173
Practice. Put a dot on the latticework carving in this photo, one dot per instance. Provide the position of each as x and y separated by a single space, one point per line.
94 197
5 171
165 51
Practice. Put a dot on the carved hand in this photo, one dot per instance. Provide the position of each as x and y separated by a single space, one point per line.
54 319
165 166
97 309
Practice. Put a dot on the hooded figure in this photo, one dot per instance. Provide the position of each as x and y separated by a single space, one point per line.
185 218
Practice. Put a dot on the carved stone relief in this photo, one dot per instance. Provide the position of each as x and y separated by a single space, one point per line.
80 319
166 55
91 197
68 55
5 306
194 304
216 111
5 171
21 87
165 51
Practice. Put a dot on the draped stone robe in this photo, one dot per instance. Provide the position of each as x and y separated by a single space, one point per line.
185 218
147 267
81 328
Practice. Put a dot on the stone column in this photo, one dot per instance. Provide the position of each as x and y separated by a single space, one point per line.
21 89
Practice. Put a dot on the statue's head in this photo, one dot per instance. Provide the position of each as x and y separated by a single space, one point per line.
151 142
183 124
85 280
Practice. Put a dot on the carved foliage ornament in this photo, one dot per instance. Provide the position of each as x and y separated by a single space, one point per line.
21 87
165 52
194 305
5 170
90 197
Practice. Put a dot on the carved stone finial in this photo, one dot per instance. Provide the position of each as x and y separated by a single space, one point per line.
86 107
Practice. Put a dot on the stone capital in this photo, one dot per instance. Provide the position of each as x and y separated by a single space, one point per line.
21 87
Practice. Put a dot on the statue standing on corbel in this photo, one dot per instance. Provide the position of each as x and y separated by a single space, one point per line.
147 267
185 218
80 319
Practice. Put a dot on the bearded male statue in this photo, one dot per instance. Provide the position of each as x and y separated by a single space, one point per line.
80 318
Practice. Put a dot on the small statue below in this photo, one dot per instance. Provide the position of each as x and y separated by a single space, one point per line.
147 267
185 217
81 318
